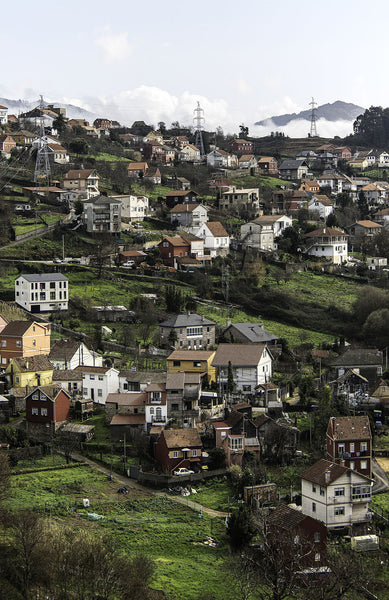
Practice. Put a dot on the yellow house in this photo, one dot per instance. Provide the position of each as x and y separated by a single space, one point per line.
192 361
29 371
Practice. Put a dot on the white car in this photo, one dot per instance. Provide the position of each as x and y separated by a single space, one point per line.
183 471
129 263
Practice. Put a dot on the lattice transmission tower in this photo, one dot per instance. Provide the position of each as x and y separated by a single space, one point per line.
42 162
198 123
313 105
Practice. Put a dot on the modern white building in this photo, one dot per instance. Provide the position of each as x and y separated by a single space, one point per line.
133 208
328 242
42 292
216 238
102 215
336 495
98 382
251 366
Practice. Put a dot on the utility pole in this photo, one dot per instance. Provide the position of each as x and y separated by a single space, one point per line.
313 105
198 121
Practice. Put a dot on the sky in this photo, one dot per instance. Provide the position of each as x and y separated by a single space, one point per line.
154 60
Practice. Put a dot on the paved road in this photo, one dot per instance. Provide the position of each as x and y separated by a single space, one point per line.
381 481
130 483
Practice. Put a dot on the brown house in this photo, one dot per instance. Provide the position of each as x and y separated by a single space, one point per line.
180 197
7 143
349 443
240 146
47 407
24 338
177 448
172 248
137 169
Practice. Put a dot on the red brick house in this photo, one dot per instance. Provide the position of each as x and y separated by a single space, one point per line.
177 448
136 170
47 407
305 538
7 143
349 442
172 248
240 146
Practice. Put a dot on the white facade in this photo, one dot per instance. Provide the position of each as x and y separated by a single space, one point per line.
42 292
214 245
247 378
192 217
155 412
102 214
133 208
98 382
328 244
3 115
316 206
82 356
335 182
216 159
341 503
256 235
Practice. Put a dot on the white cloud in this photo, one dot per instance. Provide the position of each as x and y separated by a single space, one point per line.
114 46
301 127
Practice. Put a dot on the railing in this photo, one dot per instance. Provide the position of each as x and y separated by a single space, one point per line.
155 419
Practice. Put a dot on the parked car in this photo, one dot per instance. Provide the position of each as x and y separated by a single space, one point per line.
183 471
57 260
128 263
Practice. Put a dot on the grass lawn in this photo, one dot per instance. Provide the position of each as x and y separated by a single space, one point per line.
105 157
169 533
216 494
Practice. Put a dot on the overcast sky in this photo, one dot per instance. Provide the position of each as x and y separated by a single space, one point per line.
152 60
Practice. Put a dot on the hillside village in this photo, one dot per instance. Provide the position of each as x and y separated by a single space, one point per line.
189 315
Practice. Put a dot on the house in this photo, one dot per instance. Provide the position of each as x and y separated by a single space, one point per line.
183 391
24 338
153 175
310 185
258 235
188 330
289 201
363 231
216 238
351 387
358 163
366 361
137 381
133 209
180 197
268 165
329 243
241 146
333 181
349 442
148 408
192 361
23 137
248 333
342 152
84 180
69 354
188 215
247 161
240 200
7 143
47 408
102 214
172 248
138 256
38 116
58 154
293 170
3 114
177 448
220 159
251 365
29 371
376 262
375 194
335 495
71 381
292 532
98 382
278 223
278 438
236 434
42 292
189 153
382 217
137 170
321 205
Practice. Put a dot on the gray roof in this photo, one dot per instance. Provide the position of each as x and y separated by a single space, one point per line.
292 164
186 320
44 277
354 357
254 332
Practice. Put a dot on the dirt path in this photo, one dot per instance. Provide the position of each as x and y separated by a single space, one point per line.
130 483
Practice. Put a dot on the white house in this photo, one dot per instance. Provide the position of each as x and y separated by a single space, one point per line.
98 382
251 365
102 215
321 205
133 208
278 223
328 242
189 215
333 181
375 194
189 153
42 292
257 235
69 354
335 495
3 115
220 158
216 238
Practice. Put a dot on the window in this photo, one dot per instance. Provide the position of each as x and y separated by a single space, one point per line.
34 342
313 488
352 465
316 537
35 396
34 411
101 378
363 465
175 454
339 510
52 285
151 410
360 491
3 343
84 391
352 449
4 361
17 379
174 407
44 412
339 491
91 376
313 506
194 331
235 443
176 363
317 556
363 446
247 388
322 492
52 295
18 344
197 363
100 393
194 452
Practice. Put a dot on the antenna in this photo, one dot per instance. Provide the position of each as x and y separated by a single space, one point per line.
198 121
313 105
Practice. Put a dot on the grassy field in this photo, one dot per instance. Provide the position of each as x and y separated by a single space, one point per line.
169 533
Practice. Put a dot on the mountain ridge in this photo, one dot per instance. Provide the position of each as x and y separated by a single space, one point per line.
335 111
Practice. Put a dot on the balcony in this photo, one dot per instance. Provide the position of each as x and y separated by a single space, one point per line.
157 419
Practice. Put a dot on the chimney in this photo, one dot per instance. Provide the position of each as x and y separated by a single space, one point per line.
228 322
327 475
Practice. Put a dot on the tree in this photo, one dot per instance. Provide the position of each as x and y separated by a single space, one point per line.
376 328
78 207
240 527
363 205
59 123
5 475
230 378
244 131
79 146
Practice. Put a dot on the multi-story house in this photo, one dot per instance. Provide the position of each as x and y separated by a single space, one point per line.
368 362
328 242
180 197
42 292
236 433
7 143
102 215
69 354
144 409
251 365
258 235
188 215
336 495
137 170
132 208
240 199
241 146
47 408
176 448
349 442
333 181
216 238
84 180
98 382
24 338
247 161
29 371
192 361
268 165
3 114
183 392
220 158
188 330
320 205
278 223
189 153
363 231
293 170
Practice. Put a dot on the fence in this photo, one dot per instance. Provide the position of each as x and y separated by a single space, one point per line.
163 480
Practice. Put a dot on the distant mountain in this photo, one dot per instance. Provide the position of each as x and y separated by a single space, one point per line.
72 112
337 111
